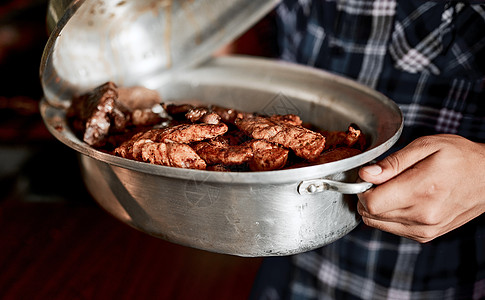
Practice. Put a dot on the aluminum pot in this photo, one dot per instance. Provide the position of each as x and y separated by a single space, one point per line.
241 213
255 213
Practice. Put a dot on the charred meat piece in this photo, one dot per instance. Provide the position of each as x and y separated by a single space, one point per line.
289 119
330 156
147 146
146 117
203 115
109 110
98 113
126 148
142 148
333 139
211 118
184 133
137 125
218 151
138 97
144 104
177 110
227 115
196 113
218 168
305 143
260 155
189 133
172 155
353 137
337 154
267 156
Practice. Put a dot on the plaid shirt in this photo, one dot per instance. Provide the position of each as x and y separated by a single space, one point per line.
429 57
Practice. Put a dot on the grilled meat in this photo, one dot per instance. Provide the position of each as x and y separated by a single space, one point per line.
173 155
353 137
135 123
203 115
169 146
289 119
330 156
218 151
98 113
138 97
267 156
305 143
189 133
176 110
109 110
227 115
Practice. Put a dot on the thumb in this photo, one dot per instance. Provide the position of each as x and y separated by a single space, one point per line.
397 162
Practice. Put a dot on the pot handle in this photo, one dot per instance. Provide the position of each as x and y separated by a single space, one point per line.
310 187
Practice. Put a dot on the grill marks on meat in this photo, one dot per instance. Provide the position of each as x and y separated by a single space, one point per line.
227 115
137 125
352 138
108 110
260 155
218 151
169 146
189 133
173 155
203 115
305 143
97 113
267 156
330 156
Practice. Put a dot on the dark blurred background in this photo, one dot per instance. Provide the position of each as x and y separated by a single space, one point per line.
28 152
55 242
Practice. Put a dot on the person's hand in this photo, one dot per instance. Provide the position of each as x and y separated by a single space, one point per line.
430 187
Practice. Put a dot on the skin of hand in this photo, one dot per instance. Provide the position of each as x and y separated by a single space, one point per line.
432 186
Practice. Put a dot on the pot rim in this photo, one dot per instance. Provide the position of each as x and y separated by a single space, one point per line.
55 120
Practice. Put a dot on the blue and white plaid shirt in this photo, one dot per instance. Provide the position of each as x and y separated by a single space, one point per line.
429 57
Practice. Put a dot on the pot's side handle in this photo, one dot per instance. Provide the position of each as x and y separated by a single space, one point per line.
309 187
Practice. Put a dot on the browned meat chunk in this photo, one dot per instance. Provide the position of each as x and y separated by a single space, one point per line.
195 114
138 97
203 115
189 133
126 148
185 133
142 147
267 156
211 118
330 156
160 146
336 154
144 104
146 117
177 109
218 168
218 151
286 119
353 137
172 155
305 143
227 115
137 125
260 155
98 113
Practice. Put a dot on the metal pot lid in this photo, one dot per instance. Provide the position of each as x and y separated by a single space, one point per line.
129 42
